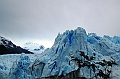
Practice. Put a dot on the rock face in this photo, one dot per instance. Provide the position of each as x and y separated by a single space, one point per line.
57 59
4 50
7 47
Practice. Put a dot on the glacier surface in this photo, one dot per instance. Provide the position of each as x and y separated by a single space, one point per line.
57 59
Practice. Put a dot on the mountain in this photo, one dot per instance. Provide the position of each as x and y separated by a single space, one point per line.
74 55
7 47
79 46
34 47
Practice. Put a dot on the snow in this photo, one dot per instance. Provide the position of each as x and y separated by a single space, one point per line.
5 42
34 47
57 59
2 39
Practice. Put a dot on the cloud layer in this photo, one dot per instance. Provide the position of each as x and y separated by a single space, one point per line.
43 19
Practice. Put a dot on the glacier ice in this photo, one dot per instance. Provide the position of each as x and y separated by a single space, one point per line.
19 69
67 44
57 59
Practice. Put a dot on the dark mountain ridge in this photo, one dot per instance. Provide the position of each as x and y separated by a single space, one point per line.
7 47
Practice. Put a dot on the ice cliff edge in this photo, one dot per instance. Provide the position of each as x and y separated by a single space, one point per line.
74 54
57 59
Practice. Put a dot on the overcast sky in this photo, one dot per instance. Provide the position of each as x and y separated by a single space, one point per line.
41 20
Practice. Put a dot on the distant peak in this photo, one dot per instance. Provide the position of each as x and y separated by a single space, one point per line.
34 47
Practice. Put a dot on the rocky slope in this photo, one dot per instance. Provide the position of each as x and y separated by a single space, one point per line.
7 47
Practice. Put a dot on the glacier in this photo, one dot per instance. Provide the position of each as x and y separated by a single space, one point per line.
58 60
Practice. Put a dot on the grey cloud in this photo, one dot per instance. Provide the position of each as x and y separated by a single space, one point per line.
43 19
